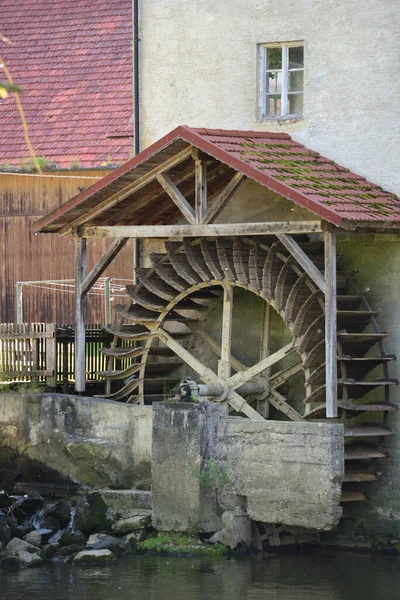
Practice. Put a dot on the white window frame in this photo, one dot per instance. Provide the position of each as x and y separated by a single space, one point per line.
262 78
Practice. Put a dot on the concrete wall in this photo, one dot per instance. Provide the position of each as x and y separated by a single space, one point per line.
199 67
287 473
91 441
290 473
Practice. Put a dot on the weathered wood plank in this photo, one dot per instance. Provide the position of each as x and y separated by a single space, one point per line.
80 307
179 199
102 264
224 364
181 231
304 261
200 170
223 198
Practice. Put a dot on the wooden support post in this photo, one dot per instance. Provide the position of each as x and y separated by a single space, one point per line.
18 293
200 190
330 324
51 356
107 301
224 365
80 306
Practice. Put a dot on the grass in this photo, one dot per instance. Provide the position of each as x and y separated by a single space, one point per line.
181 544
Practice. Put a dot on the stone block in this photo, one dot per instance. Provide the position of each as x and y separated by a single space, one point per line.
184 436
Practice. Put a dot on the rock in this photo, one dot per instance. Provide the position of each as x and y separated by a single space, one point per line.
48 551
22 559
67 538
34 538
16 546
10 563
103 541
49 523
90 514
67 551
93 557
23 530
130 524
61 512
5 533
27 505
12 522
5 499
133 538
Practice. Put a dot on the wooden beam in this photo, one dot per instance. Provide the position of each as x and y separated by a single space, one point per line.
303 260
223 198
181 231
200 170
176 196
80 309
213 345
330 324
102 264
133 187
239 378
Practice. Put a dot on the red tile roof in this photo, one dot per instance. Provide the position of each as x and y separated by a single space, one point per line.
73 59
274 160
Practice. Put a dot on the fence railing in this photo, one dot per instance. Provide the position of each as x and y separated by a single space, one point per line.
45 352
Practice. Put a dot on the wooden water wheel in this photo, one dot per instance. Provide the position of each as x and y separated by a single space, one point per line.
162 322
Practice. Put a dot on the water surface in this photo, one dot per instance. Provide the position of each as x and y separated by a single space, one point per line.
323 575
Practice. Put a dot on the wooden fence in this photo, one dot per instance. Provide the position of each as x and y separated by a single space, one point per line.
44 352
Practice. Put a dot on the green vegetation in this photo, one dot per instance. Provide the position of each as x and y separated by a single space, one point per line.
211 474
181 544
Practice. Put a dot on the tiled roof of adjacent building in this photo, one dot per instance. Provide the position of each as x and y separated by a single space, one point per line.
274 160
73 59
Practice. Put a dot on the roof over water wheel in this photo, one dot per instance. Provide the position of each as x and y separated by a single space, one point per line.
73 61
132 194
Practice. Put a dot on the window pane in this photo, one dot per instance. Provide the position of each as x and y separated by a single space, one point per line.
274 82
296 57
273 105
274 58
295 102
296 81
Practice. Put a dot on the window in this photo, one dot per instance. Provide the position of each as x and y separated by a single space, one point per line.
281 80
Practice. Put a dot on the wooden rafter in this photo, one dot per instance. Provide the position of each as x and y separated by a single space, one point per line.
177 197
135 186
304 261
223 198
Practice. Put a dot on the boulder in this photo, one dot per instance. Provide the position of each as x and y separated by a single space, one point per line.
49 522
68 538
90 514
103 541
5 499
61 512
5 533
133 538
27 505
15 546
22 560
124 526
67 551
93 557
47 552
34 538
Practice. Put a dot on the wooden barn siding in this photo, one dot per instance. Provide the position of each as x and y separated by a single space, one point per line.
25 256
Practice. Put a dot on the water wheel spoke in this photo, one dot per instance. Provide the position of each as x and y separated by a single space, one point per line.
243 377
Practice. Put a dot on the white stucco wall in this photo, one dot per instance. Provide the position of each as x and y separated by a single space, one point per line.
199 67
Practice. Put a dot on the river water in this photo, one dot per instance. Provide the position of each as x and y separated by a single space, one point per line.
323 575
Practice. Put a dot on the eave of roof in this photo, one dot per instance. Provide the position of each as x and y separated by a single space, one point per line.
273 160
